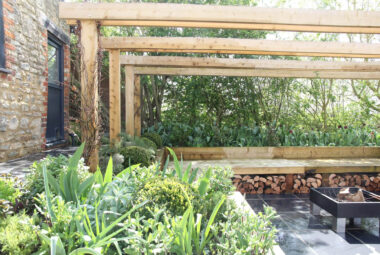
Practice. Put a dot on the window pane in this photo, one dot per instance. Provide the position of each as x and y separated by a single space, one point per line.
53 67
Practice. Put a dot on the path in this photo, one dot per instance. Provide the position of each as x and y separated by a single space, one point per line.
18 167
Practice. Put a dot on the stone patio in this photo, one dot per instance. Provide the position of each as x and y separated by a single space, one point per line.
18 167
302 233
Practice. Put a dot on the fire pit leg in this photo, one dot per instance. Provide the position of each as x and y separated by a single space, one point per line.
339 225
315 209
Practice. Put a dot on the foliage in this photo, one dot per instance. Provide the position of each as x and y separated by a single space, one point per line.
96 235
153 235
241 224
219 184
188 175
63 225
69 186
56 166
11 190
156 138
118 148
141 210
18 235
135 155
8 191
116 199
179 134
149 143
189 236
168 193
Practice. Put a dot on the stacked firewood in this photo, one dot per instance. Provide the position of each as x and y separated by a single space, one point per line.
301 183
365 181
270 184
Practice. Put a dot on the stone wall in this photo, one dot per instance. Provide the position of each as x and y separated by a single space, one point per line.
24 90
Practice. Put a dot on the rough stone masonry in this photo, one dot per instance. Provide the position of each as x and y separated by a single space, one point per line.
24 83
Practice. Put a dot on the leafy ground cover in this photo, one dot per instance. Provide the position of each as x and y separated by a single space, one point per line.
139 210
203 135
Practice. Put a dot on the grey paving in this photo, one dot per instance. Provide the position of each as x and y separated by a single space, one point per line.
299 232
19 167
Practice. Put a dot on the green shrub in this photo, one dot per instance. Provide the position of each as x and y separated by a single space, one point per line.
149 143
135 155
56 166
8 191
18 235
168 193
245 233
221 180
156 138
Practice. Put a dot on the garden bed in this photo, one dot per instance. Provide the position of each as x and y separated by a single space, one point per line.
64 209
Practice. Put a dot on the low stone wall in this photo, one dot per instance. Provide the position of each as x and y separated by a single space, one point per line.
301 183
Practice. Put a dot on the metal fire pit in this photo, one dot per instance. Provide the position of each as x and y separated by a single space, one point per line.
326 198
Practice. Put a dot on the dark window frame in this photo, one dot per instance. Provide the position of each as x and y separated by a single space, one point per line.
57 43
2 42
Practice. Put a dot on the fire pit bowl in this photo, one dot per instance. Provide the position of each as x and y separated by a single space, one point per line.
326 198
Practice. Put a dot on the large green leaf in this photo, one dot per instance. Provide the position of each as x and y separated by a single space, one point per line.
109 172
128 170
74 159
56 246
48 195
86 185
177 166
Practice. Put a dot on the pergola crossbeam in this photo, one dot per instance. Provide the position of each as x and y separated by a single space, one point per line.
256 73
241 46
244 63
227 17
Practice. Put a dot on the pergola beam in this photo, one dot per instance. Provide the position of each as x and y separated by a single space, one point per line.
241 46
114 95
255 73
244 63
129 100
228 17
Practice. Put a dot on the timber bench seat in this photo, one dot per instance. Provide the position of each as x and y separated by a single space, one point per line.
284 160
292 166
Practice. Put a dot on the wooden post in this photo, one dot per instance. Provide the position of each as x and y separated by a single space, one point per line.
114 94
89 92
137 106
129 105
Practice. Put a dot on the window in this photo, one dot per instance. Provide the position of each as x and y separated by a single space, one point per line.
55 113
2 42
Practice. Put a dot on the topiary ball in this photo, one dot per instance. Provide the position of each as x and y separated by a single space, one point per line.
135 155
156 138
168 193
149 143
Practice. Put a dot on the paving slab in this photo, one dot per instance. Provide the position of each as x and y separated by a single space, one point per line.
299 232
19 167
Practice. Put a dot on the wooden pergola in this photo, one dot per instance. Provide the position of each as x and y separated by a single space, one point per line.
90 15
